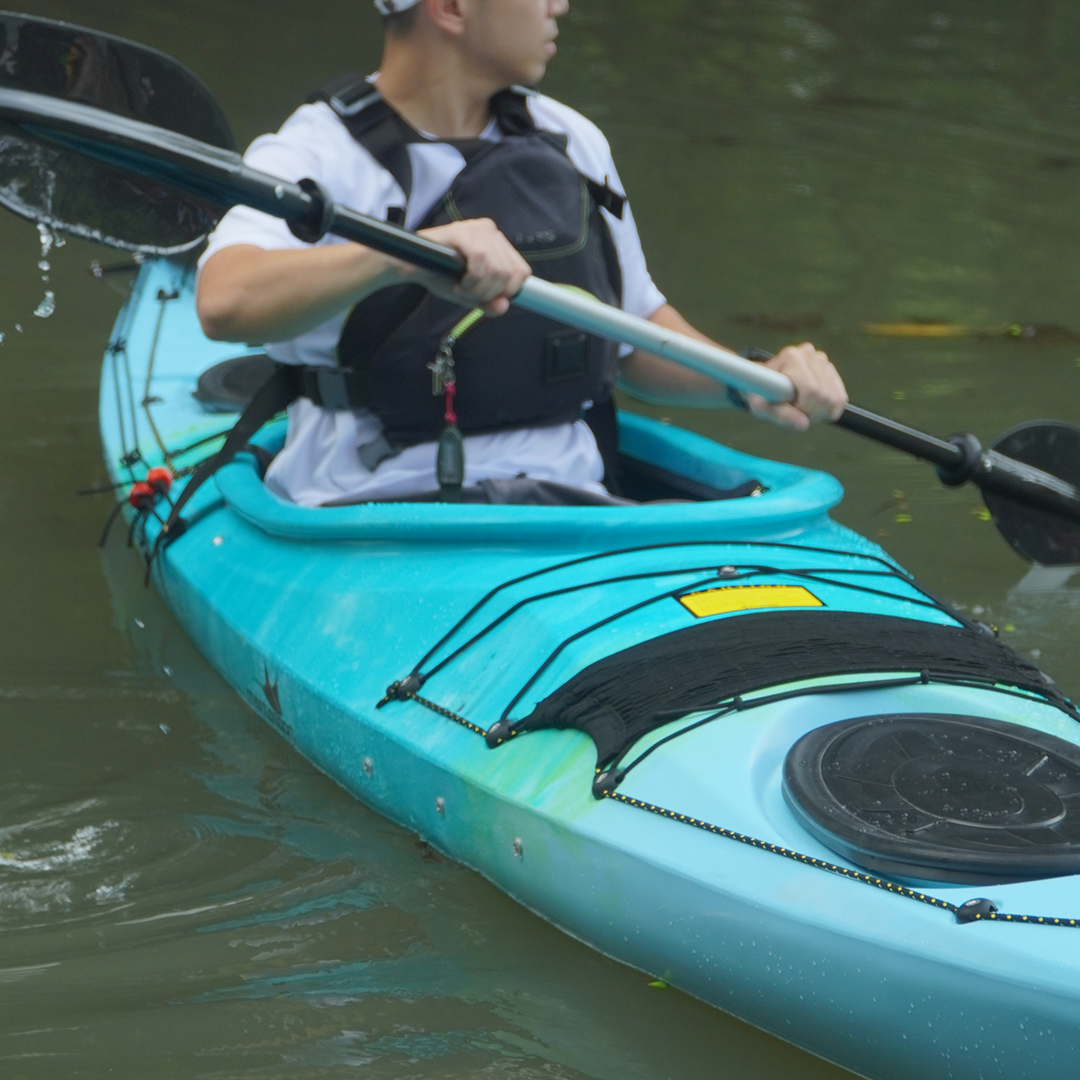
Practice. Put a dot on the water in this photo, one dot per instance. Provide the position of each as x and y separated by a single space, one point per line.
180 895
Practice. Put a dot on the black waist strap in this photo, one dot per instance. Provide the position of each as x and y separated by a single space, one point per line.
330 387
276 394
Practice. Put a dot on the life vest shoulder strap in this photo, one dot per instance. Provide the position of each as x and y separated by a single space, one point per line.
377 127
385 134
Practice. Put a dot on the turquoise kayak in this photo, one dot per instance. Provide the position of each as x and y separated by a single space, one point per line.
723 739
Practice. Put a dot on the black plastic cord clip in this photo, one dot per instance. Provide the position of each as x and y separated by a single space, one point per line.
498 733
975 910
403 689
607 782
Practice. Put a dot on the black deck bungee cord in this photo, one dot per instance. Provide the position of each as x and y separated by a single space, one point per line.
720 577
417 677
614 775
971 911
975 910
890 567
725 575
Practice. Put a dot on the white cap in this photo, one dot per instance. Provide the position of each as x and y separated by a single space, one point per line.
392 7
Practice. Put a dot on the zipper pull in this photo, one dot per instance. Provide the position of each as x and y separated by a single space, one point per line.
442 367
450 455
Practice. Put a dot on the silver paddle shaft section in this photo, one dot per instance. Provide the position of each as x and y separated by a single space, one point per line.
593 317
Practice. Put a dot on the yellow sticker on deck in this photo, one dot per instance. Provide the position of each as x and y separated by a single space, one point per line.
733 598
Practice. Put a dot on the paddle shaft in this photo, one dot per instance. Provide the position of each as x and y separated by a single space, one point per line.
962 459
221 178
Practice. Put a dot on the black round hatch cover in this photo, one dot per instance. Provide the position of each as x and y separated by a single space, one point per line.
230 385
940 797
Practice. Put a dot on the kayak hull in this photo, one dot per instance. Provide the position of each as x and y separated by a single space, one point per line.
312 614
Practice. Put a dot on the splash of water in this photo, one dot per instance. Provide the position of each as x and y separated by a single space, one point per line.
47 239
58 855
47 306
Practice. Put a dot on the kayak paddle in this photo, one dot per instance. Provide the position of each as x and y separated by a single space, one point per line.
118 143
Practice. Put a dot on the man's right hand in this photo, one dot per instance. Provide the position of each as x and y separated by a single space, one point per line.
495 270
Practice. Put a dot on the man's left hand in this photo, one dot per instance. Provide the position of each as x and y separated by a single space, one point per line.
820 394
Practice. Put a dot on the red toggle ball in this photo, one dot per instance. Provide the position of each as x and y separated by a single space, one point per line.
160 479
141 496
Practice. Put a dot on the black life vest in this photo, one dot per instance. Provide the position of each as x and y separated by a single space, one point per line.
520 370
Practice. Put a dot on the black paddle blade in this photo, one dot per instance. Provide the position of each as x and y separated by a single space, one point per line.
51 186
1040 536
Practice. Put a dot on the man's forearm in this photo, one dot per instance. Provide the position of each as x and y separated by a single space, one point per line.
662 382
252 295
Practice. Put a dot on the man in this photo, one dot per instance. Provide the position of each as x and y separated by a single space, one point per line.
437 129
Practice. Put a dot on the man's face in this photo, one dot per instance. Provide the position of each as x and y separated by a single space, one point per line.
513 39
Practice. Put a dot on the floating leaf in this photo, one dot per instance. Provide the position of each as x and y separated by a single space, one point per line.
918 329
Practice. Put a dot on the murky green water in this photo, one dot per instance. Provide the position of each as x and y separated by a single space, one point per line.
180 895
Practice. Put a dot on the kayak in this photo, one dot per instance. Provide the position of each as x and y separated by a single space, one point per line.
714 735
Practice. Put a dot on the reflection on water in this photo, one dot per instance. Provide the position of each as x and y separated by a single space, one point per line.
180 894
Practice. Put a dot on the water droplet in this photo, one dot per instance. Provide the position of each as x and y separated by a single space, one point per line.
18 326
47 239
44 266
1 339
47 306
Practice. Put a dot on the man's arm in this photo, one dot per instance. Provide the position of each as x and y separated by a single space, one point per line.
250 294
821 394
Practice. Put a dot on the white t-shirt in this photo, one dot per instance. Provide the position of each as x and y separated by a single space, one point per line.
319 464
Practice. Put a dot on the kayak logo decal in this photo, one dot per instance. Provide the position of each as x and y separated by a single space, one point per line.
265 698
270 692
733 598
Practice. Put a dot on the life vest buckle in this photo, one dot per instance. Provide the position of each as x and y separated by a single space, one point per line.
333 388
